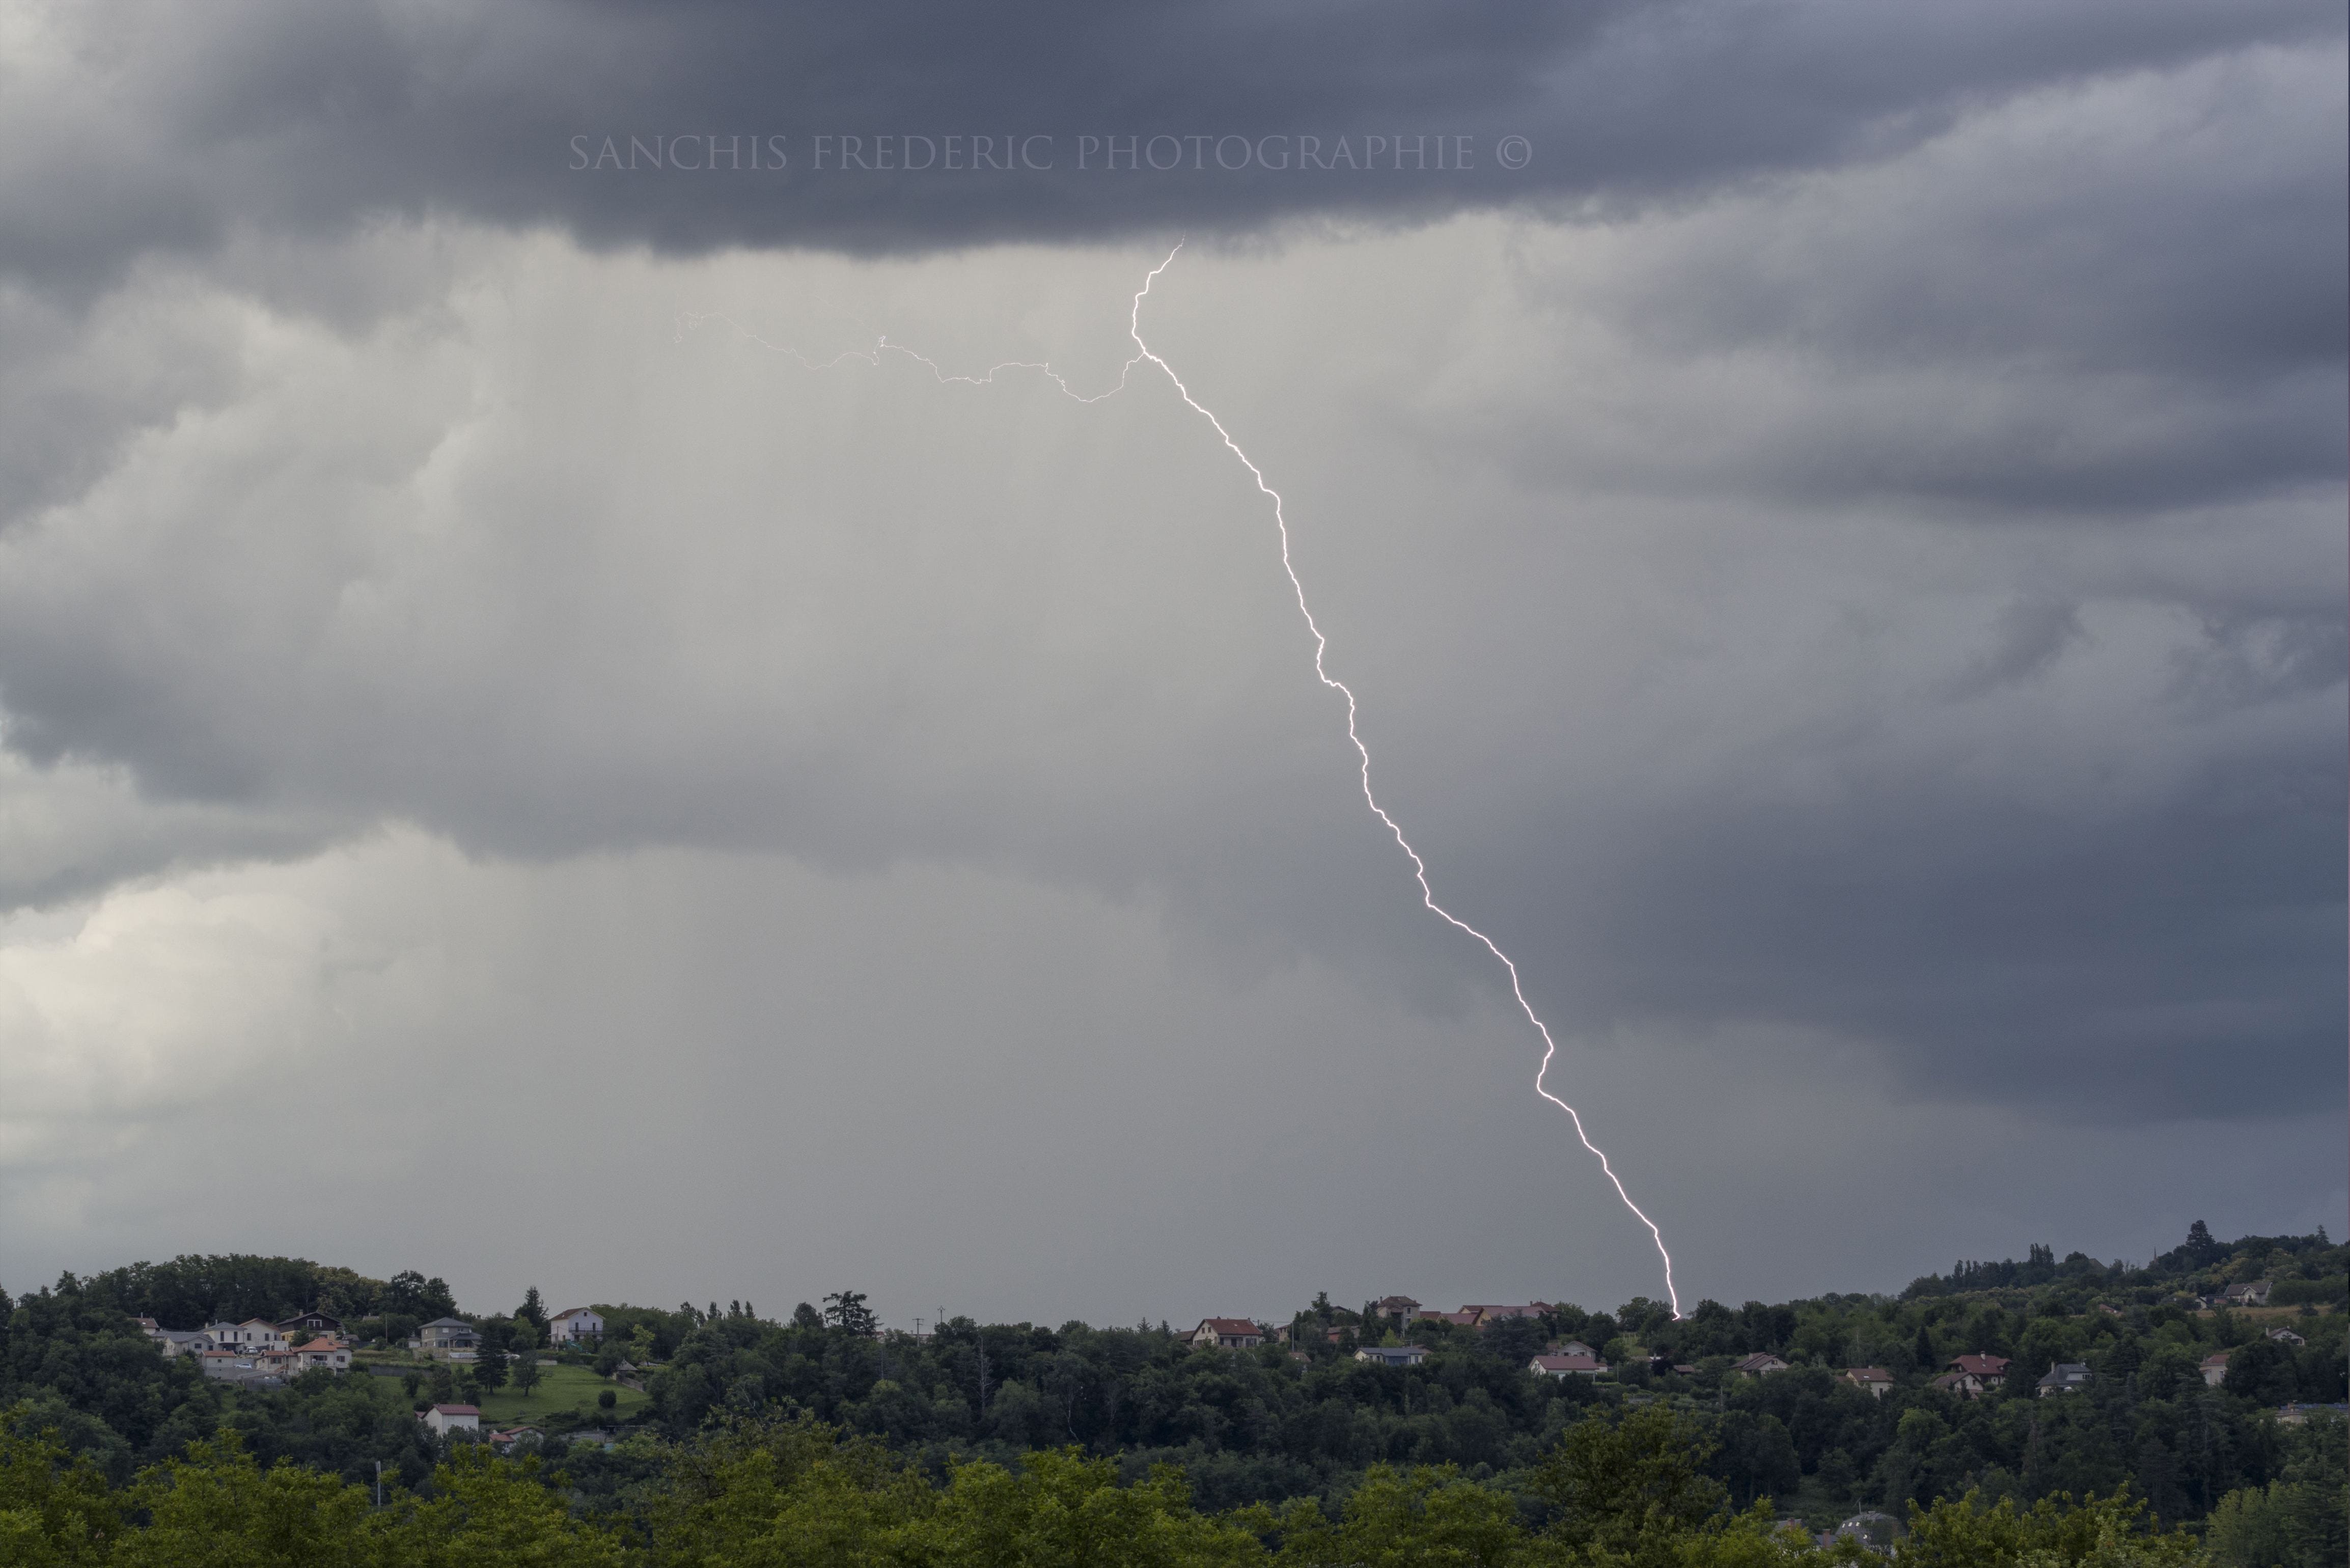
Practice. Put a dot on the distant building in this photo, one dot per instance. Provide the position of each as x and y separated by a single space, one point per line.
1400 1308
1871 1528
330 1353
182 1341
315 1321
2286 1336
1463 1319
1567 1366
445 1335
1393 1354
1226 1334
2252 1292
1988 1372
1759 1365
2215 1370
573 1324
2301 1414
1482 1317
443 1419
512 1439
2063 1378
1574 1347
252 1334
1874 1380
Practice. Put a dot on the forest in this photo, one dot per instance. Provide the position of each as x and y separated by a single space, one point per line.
1269 1450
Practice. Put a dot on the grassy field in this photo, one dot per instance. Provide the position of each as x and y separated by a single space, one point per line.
560 1388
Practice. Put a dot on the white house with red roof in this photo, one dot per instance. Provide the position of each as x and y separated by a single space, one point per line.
1227 1334
1759 1365
443 1419
2215 1370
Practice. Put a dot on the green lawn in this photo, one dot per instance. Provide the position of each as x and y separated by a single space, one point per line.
560 1388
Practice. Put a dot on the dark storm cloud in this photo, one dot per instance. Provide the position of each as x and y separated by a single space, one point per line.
173 123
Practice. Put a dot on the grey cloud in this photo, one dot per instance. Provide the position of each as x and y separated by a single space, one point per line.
144 125
2033 814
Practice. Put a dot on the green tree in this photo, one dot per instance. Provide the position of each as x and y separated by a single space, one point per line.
526 1370
846 1311
533 1310
55 1509
490 1363
2302 1520
1629 1489
488 1513
2102 1532
1400 1520
216 1506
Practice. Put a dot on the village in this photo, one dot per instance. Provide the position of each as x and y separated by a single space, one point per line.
260 1354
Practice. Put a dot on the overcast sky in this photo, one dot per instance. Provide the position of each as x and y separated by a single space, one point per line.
562 728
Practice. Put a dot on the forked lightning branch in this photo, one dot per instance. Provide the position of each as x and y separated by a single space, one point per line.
1144 354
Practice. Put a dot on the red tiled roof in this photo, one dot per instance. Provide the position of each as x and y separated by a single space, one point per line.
456 1409
1230 1326
1868 1374
1568 1363
1981 1365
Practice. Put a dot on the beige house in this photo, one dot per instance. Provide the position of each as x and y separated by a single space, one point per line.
1873 1380
2215 1370
254 1333
1761 1365
331 1354
1226 1334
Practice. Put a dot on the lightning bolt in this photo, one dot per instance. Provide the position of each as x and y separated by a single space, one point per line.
1144 353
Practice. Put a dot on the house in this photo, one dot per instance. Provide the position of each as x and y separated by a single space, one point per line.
1566 1365
2215 1370
1572 1347
1480 1316
573 1324
2253 1293
182 1341
1457 1319
1399 1308
1393 1354
445 1335
1759 1365
2063 1378
252 1334
1872 1530
509 1439
331 1354
147 1326
2286 1336
1989 1372
316 1320
1226 1334
1874 1380
2299 1414
443 1419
